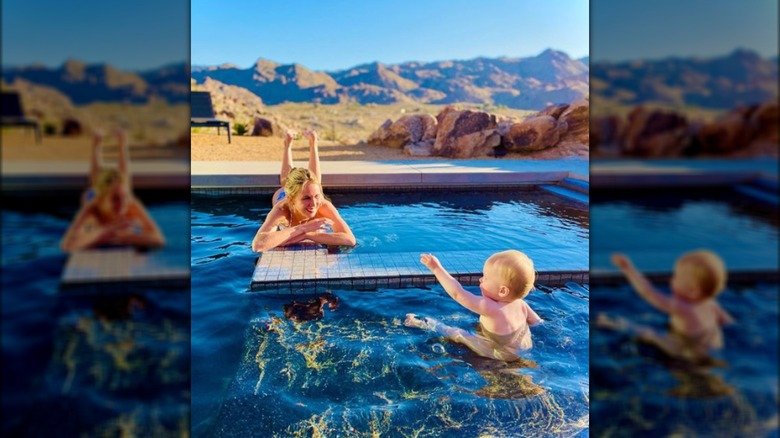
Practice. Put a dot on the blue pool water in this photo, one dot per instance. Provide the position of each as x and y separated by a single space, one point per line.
97 361
358 370
419 221
664 223
634 390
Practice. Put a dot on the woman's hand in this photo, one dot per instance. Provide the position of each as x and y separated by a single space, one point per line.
310 135
430 261
316 225
289 136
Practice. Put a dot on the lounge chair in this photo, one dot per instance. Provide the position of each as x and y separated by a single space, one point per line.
202 112
13 115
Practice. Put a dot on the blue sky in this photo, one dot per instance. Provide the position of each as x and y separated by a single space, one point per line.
637 29
338 34
136 35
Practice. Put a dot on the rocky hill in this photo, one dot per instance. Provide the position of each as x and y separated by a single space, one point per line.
524 83
739 78
88 83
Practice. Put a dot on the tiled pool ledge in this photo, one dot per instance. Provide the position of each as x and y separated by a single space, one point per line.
31 175
289 270
681 172
116 268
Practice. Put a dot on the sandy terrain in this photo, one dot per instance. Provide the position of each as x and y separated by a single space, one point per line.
18 145
212 147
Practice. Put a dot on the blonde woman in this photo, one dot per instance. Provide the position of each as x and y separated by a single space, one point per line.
111 215
300 211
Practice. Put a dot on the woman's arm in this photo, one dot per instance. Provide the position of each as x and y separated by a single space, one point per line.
341 235
85 231
642 285
455 290
267 237
151 235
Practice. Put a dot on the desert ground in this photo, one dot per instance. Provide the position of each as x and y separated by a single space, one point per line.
212 147
342 131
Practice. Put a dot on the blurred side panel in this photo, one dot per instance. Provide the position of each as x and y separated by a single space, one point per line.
95 339
684 156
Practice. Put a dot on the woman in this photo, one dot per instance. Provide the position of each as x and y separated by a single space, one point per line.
300 211
111 216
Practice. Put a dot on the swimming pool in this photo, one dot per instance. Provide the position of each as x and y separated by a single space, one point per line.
635 391
358 370
97 361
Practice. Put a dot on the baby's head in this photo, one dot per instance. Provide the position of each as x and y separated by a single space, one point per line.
699 275
513 270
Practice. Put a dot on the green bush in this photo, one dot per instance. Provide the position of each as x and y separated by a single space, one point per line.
239 128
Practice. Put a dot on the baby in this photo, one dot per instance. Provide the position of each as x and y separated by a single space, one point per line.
507 278
695 317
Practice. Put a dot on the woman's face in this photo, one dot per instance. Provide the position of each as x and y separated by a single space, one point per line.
117 199
308 201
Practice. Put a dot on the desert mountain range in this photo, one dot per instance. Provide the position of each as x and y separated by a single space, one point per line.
85 83
523 83
739 78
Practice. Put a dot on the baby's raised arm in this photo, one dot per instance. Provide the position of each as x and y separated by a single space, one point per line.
641 284
454 289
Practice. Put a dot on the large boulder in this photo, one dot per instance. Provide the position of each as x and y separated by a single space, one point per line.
577 117
553 111
420 149
262 127
764 122
534 134
721 136
72 127
408 129
656 134
465 134
606 132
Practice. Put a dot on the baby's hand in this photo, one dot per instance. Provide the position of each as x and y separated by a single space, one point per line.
430 261
621 261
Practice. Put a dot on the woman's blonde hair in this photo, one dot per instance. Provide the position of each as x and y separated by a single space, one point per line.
107 179
296 179
708 269
516 271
